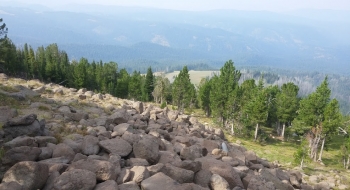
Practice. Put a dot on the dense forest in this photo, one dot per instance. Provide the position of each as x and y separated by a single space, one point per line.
242 107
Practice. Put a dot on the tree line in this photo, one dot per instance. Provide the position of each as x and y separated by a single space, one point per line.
241 107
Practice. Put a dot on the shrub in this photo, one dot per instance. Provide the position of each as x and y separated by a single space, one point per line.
163 105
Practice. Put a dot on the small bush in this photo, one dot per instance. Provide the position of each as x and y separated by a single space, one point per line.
163 105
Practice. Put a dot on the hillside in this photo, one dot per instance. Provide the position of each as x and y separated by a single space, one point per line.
79 139
306 40
117 142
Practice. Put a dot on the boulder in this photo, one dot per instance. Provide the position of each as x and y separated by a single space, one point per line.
251 157
75 179
124 176
256 182
202 178
158 182
268 176
50 180
7 113
147 148
11 186
21 121
22 153
116 146
172 115
139 173
103 170
178 174
20 141
119 117
137 162
168 157
63 150
129 186
90 145
194 166
46 153
138 106
218 183
223 169
155 168
43 140
33 129
120 129
130 137
107 185
31 175
191 153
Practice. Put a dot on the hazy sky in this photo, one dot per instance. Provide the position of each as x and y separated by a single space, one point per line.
271 5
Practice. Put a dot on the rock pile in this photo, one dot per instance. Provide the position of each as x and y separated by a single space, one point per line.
133 147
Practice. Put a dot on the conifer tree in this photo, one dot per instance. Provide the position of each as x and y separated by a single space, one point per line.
223 95
122 90
204 89
183 90
149 85
135 83
287 104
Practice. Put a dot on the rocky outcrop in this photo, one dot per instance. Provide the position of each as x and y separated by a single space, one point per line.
130 146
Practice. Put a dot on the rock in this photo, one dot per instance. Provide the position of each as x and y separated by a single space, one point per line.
22 153
75 179
138 106
119 117
268 176
129 186
11 186
120 129
218 183
147 148
210 145
20 141
63 150
57 160
7 113
137 162
50 180
139 173
76 116
168 157
124 176
31 175
221 168
90 145
256 182
103 170
32 130
251 157
89 93
178 174
172 115
97 96
193 120
46 153
322 186
233 162
43 140
191 153
155 168
158 182
194 166
116 146
107 185
130 137
202 178
21 121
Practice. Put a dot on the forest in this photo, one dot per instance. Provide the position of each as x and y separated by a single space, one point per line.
243 108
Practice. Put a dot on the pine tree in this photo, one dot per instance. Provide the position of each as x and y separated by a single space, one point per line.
149 85
204 89
287 104
183 90
123 78
223 95
3 29
135 83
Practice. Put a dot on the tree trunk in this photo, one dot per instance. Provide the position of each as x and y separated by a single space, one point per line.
283 128
321 151
348 162
302 163
232 130
256 131
315 147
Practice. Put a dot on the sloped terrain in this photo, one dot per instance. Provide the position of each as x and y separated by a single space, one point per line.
53 137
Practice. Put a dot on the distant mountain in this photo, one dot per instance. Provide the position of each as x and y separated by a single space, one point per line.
301 40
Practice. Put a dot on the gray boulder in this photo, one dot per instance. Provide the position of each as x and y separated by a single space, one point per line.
63 150
90 145
31 175
103 170
218 183
178 174
191 153
75 179
44 140
129 186
147 148
159 181
139 173
18 154
116 146
27 125
11 186
107 185
20 141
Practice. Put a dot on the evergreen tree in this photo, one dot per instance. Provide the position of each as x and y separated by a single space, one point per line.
80 73
3 29
135 83
183 90
287 104
40 59
122 90
149 85
8 57
204 89
311 116
223 95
